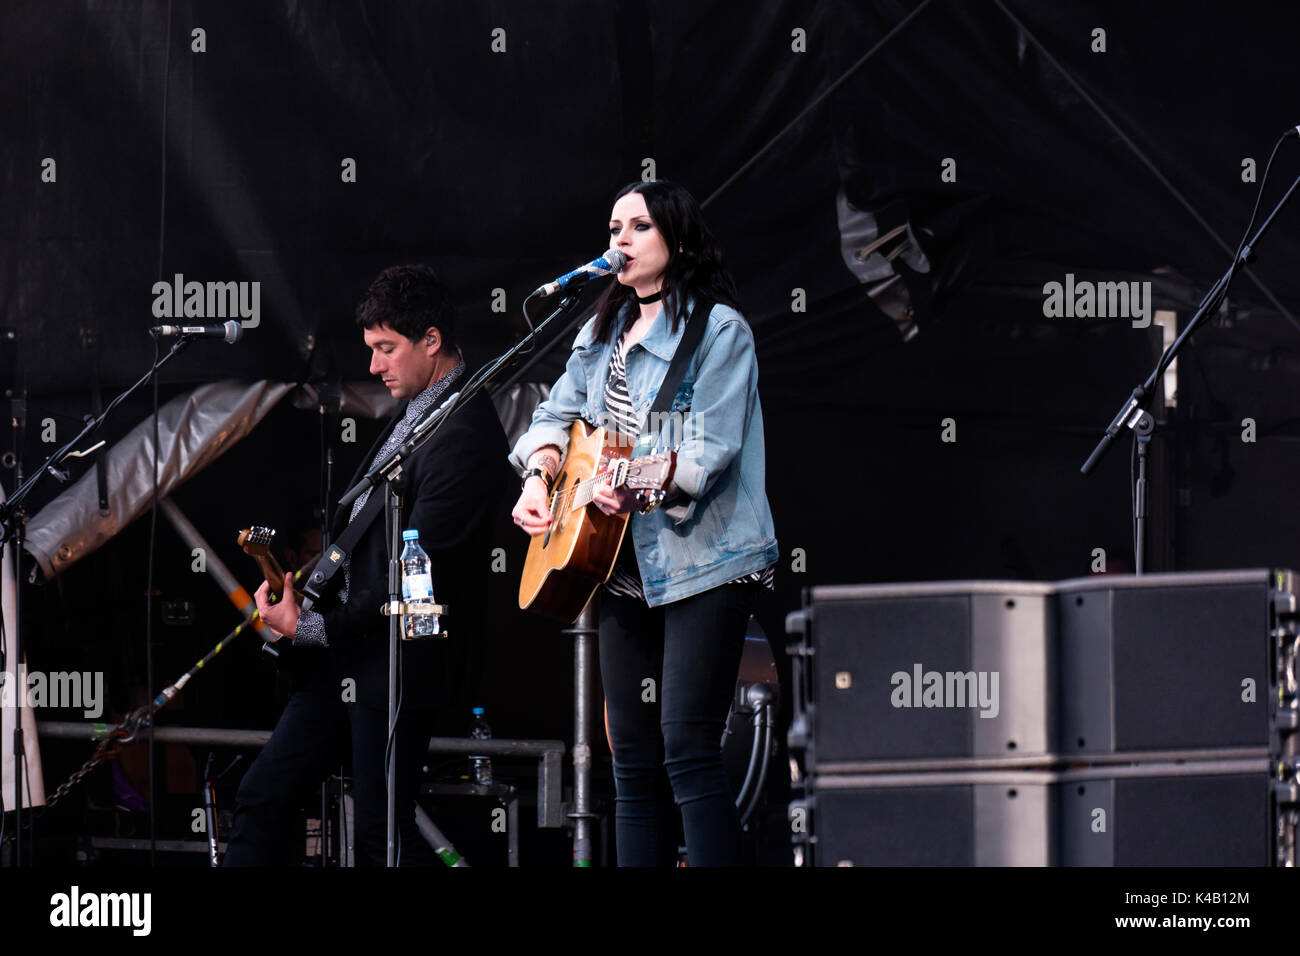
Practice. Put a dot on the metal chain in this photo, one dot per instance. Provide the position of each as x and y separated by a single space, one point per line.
123 733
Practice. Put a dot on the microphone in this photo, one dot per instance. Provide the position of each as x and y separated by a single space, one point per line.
230 331
611 263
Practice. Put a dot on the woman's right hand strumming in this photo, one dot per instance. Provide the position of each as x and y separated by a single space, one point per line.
532 511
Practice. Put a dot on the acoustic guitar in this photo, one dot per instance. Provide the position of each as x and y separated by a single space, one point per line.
576 554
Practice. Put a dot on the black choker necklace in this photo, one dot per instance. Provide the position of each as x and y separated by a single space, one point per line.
650 298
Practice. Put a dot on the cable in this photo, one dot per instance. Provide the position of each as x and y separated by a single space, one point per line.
1216 295
528 319
390 750
1254 213
153 514
1132 496
148 623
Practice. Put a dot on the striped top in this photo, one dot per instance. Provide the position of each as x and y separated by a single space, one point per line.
625 579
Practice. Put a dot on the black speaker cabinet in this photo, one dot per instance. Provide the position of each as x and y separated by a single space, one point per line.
1006 673
1210 813
1193 813
1112 720
975 818
1164 662
924 672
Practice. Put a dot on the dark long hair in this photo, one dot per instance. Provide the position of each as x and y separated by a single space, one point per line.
694 271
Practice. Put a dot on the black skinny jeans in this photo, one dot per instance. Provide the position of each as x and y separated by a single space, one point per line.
670 674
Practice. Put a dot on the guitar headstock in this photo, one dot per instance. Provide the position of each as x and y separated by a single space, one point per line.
256 541
651 472
256 544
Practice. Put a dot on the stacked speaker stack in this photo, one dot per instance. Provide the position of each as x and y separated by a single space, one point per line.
1112 720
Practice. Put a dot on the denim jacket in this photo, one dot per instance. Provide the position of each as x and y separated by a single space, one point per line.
720 526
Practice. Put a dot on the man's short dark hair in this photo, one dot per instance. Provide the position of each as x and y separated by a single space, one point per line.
409 299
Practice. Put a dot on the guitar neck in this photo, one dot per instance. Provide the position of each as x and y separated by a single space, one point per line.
584 493
652 472
256 543
271 570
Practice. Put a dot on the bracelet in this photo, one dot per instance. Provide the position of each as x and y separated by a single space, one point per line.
543 474
649 501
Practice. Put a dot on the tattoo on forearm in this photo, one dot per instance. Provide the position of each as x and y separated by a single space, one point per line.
547 461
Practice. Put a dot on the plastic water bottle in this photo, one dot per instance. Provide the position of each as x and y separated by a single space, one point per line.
480 730
417 586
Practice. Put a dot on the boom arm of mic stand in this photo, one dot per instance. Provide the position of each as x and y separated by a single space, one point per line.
561 336
1208 305
428 426
1116 423
11 529
390 467
14 503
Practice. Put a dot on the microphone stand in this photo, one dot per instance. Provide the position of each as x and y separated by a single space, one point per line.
391 472
13 527
564 334
1133 414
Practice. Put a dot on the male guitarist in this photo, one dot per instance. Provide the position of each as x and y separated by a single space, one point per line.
340 666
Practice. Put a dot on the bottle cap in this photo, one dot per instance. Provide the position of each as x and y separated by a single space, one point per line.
410 535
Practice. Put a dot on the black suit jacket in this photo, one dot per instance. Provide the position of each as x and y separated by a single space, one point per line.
455 483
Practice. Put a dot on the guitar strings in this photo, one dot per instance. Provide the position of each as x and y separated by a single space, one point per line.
568 494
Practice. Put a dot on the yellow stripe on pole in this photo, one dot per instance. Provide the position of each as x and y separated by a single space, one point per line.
244 601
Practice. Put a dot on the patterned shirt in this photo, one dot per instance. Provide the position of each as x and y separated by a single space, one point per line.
625 578
311 625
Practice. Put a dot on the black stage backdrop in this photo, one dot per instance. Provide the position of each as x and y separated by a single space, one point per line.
930 430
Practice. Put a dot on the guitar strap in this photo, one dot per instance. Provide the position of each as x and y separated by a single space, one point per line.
336 554
690 341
